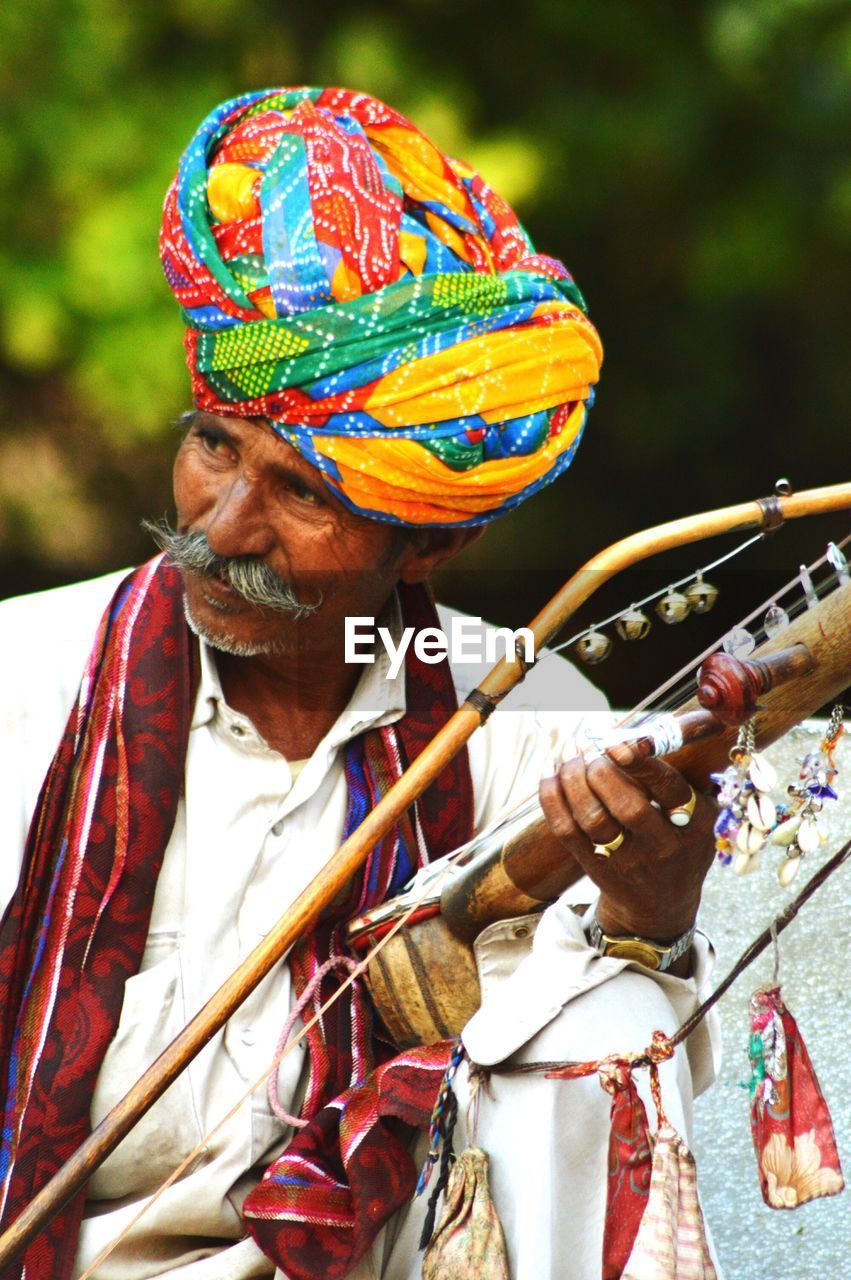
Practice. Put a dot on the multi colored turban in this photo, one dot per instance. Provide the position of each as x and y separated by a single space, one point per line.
379 304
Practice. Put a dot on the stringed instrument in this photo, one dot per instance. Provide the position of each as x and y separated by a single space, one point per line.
522 860
424 981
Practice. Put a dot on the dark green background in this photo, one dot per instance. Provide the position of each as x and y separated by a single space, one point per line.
689 162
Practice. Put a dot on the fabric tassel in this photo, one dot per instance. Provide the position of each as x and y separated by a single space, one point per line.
629 1162
629 1167
469 1240
790 1122
671 1241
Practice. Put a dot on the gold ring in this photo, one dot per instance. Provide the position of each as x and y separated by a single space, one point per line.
606 850
681 816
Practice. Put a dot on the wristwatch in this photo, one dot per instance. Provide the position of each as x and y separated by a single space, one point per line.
644 951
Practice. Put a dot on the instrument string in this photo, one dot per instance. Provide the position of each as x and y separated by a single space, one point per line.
681 582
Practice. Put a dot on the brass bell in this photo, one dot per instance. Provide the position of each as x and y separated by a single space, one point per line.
673 607
593 646
632 624
701 595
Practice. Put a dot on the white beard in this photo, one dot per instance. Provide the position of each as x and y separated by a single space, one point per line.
225 643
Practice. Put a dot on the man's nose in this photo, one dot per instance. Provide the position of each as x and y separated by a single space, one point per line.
238 525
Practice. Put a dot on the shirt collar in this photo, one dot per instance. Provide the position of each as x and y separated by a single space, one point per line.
378 698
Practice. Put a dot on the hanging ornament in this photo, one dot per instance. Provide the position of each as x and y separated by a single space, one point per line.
775 620
673 607
761 812
632 624
593 646
747 813
630 1154
761 773
630 1157
739 643
797 830
790 1122
701 595
670 1243
469 1240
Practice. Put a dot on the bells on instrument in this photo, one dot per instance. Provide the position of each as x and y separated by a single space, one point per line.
593 646
701 595
673 607
632 625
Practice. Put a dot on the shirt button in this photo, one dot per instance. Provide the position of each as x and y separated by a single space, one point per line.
248 1037
277 827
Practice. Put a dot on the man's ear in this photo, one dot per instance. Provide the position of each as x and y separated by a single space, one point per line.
431 548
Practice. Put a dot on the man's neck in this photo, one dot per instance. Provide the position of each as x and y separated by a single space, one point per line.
292 700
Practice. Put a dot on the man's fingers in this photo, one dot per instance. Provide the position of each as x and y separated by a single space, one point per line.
590 811
559 817
629 804
663 783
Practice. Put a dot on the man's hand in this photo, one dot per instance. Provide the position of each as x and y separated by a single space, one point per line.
650 886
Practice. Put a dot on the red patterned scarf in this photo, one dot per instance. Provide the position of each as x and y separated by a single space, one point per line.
76 927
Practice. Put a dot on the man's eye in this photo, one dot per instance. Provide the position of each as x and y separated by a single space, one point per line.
304 494
210 439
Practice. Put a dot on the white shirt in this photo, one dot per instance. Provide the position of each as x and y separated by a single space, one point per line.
247 840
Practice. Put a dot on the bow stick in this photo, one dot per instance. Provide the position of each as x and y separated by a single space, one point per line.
764 514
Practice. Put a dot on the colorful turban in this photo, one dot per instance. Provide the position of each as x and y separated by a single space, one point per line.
379 304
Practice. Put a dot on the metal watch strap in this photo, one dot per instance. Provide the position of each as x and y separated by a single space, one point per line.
667 955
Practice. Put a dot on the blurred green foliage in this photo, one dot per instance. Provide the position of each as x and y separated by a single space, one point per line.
690 163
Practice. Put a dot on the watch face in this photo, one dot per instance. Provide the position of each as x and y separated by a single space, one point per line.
634 949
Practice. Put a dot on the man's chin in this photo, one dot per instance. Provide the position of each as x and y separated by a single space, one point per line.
223 640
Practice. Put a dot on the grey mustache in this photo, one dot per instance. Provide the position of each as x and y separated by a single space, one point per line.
248 576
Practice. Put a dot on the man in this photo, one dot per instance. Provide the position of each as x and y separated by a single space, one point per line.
380 364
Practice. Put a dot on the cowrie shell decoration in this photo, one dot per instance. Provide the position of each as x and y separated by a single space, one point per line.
748 839
761 773
786 832
761 813
788 870
808 836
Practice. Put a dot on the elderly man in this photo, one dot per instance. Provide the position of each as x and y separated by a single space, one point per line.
380 365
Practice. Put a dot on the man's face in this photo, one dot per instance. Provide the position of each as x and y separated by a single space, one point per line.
252 495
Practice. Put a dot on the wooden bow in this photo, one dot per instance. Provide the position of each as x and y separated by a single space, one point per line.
763 514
